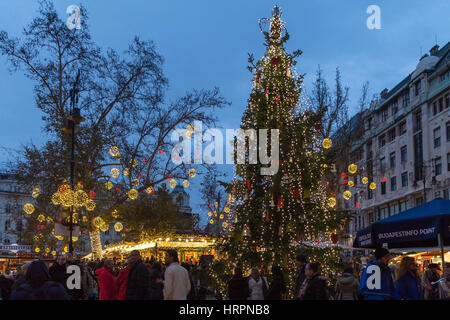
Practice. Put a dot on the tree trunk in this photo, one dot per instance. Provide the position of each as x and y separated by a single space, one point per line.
96 244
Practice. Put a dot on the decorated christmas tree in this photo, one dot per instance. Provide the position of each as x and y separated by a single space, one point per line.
274 217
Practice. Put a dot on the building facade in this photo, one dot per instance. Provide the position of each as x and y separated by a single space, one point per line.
405 149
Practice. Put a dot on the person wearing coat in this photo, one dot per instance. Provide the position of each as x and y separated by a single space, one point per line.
177 283
277 286
238 286
58 271
107 286
386 290
121 283
39 285
156 282
138 282
192 294
408 284
300 276
314 287
429 277
347 286
257 285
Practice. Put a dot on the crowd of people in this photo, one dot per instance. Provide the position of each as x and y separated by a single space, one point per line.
136 279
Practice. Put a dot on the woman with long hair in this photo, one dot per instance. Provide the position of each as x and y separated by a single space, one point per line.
278 285
408 284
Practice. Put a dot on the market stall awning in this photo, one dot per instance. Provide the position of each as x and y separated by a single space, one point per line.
416 227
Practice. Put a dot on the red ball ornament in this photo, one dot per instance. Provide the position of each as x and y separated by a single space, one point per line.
343 175
92 194
144 160
358 205
117 189
140 175
42 227
275 61
267 218
345 181
296 193
383 179
126 229
334 238
280 202
161 151
62 188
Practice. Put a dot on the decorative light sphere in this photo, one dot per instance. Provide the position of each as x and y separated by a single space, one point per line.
114 151
136 182
216 204
53 253
351 184
186 183
41 218
65 249
28 208
331 202
365 180
172 183
225 225
56 198
115 173
109 185
115 213
126 171
221 216
192 173
97 222
35 193
118 226
150 190
47 250
352 168
133 194
372 186
211 221
37 250
90 205
327 143
210 214
347 195
226 209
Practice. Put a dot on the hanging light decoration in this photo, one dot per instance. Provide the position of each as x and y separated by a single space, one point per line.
225 225
90 205
35 193
126 171
37 250
114 151
115 213
327 143
41 218
365 180
28 208
133 194
97 222
136 182
221 216
347 195
226 209
210 214
192 173
172 183
118 226
211 221
373 186
150 190
186 183
351 184
115 173
352 168
109 185
331 202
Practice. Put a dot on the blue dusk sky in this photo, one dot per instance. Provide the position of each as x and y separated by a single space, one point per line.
206 44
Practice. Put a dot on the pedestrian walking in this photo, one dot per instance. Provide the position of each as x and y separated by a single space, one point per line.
238 286
386 290
314 287
277 286
138 282
156 282
58 270
429 281
121 282
300 276
192 293
257 285
347 286
107 286
177 284
408 284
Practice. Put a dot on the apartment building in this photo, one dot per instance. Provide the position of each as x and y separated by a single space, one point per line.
405 149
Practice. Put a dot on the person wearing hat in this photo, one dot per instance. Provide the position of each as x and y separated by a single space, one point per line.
385 291
429 282
300 275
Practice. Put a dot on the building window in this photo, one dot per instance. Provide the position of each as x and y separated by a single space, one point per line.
445 75
392 160
404 179
437 137
405 98
417 87
383 187
447 101
384 212
403 206
369 123
446 196
394 107
403 154
7 241
382 164
417 126
419 201
393 183
381 141
441 104
384 114
402 128
437 166
369 193
448 162
7 225
393 209
392 135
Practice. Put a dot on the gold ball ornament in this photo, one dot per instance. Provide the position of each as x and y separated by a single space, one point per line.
56 198
118 226
149 190
90 205
28 208
221 216
53 253
327 143
104 227
216 204
115 173
47 250
347 195
114 151
65 249
365 180
331 202
35 193
192 173
37 250
172 183
352 168
97 222
136 182
115 213
210 214
225 225
41 218
186 183
226 209
211 221
351 184
372 186
133 194
126 171
109 185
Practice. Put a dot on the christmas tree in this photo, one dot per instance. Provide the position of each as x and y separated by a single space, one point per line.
275 215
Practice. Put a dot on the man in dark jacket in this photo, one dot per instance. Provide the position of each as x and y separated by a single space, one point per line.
316 287
58 271
300 276
238 286
377 268
138 284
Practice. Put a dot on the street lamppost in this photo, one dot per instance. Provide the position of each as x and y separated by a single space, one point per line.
74 119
